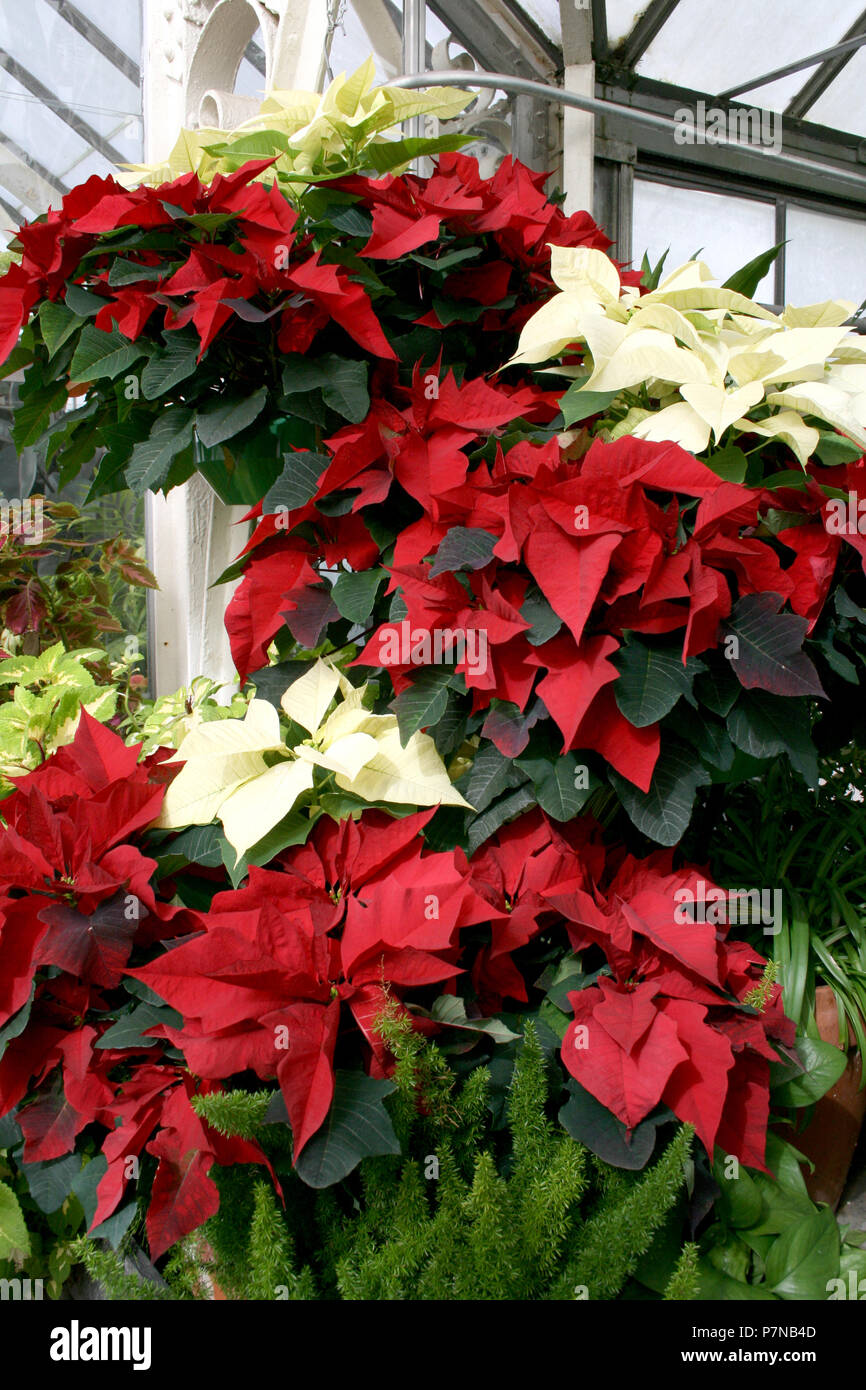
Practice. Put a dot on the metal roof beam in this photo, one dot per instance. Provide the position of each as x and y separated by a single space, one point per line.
95 37
635 44
487 41
600 43
825 74
848 46
254 55
13 212
91 137
17 171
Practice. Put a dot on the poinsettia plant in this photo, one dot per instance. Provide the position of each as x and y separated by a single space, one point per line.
119 1007
430 392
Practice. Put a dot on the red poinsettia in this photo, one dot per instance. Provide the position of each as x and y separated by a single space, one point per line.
359 908
669 1026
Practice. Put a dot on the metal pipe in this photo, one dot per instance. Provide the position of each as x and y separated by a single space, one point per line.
414 52
523 86
847 46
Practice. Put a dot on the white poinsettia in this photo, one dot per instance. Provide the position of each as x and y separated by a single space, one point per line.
229 772
704 359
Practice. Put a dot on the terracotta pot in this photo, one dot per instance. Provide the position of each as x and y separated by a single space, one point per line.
831 1137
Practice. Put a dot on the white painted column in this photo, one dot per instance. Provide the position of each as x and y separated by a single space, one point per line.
192 50
578 127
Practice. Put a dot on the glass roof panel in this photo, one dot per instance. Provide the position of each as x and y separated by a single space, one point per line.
119 21
352 44
622 16
36 129
66 110
546 15
843 105
713 47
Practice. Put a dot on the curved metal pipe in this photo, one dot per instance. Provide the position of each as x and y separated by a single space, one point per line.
523 86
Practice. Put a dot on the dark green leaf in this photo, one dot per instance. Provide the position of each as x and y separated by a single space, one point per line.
729 463
652 678
298 481
50 1183
556 784
355 594
100 354
271 682
170 365
152 458
545 623
834 450
83 302
423 702
226 418
124 272
130 1028
58 323
352 220
663 813
503 810
739 1203
822 1065
767 652
718 689
747 279
579 405
765 725
448 261
357 1126
463 548
491 773
592 1124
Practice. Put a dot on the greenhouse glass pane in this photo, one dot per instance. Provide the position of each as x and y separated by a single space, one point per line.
712 47
249 81
843 105
120 22
622 16
59 76
546 15
352 45
825 258
726 232
37 130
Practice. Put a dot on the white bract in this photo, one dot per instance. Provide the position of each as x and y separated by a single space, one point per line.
227 774
709 359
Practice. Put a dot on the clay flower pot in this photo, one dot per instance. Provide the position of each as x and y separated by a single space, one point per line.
831 1137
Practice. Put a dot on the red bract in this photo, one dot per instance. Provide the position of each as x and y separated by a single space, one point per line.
359 907
204 283
666 1027
183 1196
76 896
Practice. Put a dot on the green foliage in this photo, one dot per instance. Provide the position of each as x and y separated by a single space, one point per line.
769 1240
238 1113
467 1212
167 720
683 1284
810 844
42 1212
47 694
107 1267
